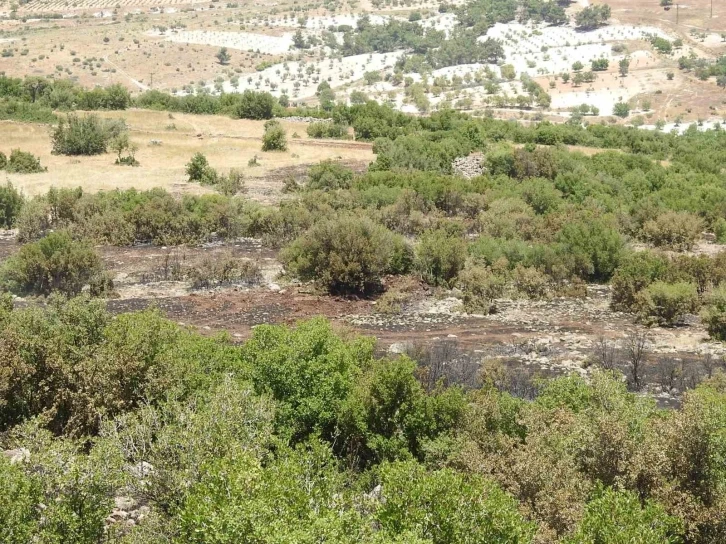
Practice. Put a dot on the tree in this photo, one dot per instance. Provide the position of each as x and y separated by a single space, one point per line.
593 16
87 135
346 255
120 145
199 171
298 40
11 201
274 138
254 105
565 77
721 81
443 505
22 162
624 66
577 66
619 517
667 303
223 56
578 80
600 65
440 256
621 109
53 263
714 314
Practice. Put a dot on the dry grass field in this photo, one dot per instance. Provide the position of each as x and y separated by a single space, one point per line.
227 143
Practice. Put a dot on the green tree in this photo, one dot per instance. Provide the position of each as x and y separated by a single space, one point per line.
223 56
714 314
274 138
445 506
22 162
667 303
440 256
308 370
621 109
624 66
11 201
618 517
54 263
345 255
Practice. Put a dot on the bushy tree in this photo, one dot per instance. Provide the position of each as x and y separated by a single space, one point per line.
11 201
593 16
621 109
673 230
329 175
445 506
22 162
594 246
255 105
345 255
714 314
440 256
55 263
308 370
667 303
199 170
274 138
620 517
84 135
223 56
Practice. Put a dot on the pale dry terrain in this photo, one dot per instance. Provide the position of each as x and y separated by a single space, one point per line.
227 143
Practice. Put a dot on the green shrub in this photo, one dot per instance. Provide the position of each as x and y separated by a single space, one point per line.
440 256
3 160
329 175
55 263
714 314
619 517
621 109
530 282
74 488
636 272
231 184
667 303
480 287
594 247
345 255
254 105
198 168
22 162
324 129
673 230
87 135
719 230
11 201
442 505
308 370
274 138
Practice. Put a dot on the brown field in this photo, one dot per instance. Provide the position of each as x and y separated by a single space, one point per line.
227 143
694 14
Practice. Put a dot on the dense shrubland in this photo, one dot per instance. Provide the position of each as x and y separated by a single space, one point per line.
538 222
302 432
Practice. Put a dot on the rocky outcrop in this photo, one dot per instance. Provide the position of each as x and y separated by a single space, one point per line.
469 167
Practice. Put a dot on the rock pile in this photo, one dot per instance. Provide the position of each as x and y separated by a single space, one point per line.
127 511
469 167
295 119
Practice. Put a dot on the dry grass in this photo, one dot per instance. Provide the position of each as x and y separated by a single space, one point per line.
227 143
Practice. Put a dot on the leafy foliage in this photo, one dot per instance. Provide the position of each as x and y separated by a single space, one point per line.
55 263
